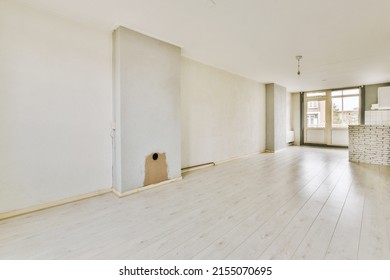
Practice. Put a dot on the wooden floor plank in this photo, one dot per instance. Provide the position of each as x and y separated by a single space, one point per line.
254 246
318 237
374 238
300 203
346 237
285 245
171 232
226 244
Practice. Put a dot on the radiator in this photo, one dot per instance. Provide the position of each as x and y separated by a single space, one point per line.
290 136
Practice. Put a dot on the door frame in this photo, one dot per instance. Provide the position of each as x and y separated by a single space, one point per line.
328 125
328 118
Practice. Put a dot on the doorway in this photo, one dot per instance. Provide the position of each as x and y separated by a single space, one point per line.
327 115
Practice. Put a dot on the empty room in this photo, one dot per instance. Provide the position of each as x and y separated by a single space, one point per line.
194 130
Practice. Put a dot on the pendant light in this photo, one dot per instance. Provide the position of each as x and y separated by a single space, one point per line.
299 57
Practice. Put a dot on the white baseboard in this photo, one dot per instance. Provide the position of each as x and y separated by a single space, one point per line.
40 207
44 206
238 157
119 194
197 167
273 151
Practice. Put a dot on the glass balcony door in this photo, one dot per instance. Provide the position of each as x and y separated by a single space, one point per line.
327 115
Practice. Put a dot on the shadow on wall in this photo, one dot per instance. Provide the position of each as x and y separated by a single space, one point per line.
156 169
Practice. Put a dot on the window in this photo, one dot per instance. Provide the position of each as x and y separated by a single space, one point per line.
315 116
345 107
312 120
315 94
354 91
312 104
327 114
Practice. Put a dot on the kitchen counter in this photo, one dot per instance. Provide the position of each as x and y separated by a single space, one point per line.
369 144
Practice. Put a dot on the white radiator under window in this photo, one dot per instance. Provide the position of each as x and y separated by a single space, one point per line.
290 136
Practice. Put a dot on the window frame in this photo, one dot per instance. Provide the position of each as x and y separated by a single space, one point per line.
342 97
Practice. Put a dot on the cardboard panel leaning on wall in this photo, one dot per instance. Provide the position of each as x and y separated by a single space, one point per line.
223 115
146 108
55 108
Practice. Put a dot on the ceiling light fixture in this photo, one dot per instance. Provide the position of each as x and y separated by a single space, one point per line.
299 57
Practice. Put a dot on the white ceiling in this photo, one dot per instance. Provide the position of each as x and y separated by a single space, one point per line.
343 42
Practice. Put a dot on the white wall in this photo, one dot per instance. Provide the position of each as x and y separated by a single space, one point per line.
296 117
276 117
55 108
147 106
289 112
223 115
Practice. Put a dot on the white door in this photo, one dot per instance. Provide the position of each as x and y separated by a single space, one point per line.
316 122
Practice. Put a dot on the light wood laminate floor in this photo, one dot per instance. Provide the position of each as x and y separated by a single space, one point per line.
300 203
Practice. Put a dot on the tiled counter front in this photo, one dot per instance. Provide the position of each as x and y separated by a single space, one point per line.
369 144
